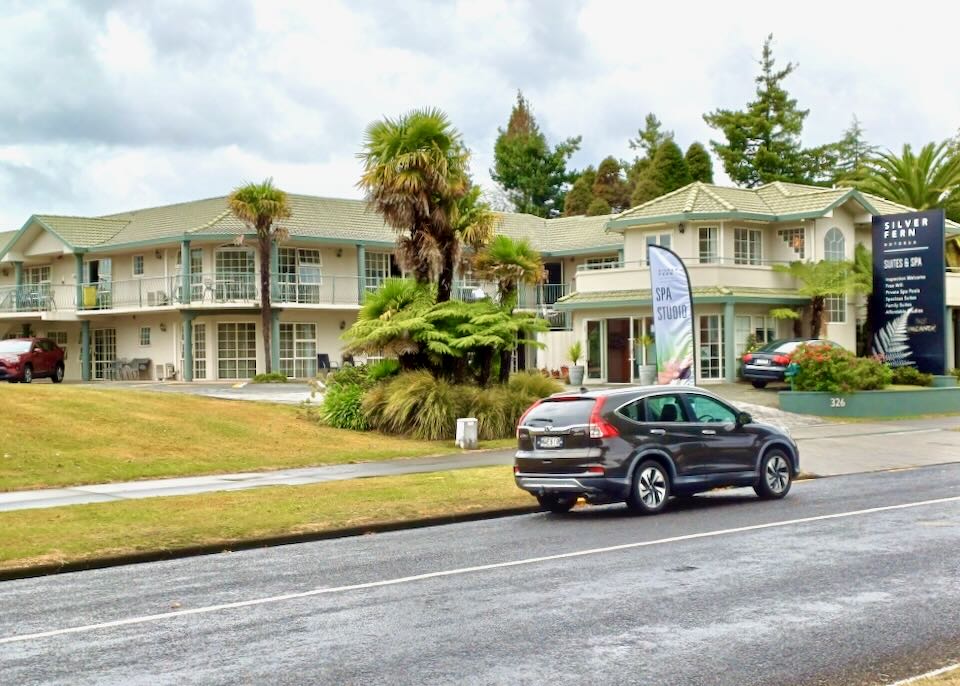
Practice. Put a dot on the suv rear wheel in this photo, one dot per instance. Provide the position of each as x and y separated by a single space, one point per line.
650 490
558 504
775 475
57 374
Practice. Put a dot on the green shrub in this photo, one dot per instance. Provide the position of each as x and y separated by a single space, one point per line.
350 376
383 369
342 407
956 372
911 376
272 377
836 370
534 384
418 405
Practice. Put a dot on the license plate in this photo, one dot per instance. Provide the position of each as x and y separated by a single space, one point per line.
761 362
550 442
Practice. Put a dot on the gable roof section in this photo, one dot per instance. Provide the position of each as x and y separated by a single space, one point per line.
777 201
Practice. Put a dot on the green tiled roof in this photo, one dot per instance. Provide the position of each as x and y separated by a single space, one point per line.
5 237
771 202
586 300
82 232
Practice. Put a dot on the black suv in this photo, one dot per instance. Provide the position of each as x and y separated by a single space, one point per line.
643 444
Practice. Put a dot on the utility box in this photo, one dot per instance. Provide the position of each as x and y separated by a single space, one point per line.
467 433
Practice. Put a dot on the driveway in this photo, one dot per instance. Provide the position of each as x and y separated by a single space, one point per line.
283 393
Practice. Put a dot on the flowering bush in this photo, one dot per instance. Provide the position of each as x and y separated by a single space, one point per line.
836 370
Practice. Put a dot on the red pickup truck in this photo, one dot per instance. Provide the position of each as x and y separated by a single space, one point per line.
26 359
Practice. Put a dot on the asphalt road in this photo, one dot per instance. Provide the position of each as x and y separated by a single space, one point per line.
822 588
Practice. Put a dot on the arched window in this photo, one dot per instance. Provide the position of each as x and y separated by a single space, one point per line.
834 245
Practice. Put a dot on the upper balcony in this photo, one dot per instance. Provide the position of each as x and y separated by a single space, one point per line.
229 290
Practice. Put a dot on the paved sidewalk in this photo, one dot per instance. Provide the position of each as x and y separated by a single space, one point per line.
825 450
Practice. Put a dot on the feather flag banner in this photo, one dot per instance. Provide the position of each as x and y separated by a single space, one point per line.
908 303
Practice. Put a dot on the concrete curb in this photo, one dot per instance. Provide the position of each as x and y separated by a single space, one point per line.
253 543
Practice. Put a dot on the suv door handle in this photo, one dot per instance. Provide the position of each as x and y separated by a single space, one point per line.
658 432
709 432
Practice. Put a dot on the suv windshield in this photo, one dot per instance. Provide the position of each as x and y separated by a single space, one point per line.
561 412
15 346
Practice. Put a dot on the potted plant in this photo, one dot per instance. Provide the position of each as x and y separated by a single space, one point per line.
577 370
647 373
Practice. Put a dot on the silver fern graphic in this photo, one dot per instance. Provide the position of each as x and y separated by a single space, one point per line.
893 341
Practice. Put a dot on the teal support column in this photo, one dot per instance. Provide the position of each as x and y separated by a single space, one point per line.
78 276
188 318
620 255
361 273
274 272
951 350
275 341
85 350
18 273
729 342
185 272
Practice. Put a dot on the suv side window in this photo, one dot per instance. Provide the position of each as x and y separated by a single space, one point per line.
46 346
666 408
706 409
635 411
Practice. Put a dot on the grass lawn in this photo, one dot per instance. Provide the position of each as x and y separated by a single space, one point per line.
951 678
82 532
56 435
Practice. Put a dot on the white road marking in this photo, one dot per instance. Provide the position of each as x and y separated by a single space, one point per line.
462 570
927 675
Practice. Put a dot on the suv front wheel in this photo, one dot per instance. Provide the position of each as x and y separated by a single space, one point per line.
650 489
775 475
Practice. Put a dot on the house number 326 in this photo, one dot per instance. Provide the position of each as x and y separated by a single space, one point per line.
838 402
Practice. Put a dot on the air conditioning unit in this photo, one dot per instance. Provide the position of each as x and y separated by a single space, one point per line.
171 371
159 372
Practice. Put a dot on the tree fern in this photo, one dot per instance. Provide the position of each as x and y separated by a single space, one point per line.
893 341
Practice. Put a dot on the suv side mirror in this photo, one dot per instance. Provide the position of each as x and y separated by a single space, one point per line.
744 418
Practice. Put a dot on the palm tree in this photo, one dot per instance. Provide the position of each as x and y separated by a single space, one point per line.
261 206
511 264
822 279
415 172
922 181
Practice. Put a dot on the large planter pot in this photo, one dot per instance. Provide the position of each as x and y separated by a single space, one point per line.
646 374
576 375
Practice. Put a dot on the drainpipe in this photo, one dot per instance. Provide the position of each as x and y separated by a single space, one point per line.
729 343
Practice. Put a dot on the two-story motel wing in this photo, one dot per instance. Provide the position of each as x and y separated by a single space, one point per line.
123 292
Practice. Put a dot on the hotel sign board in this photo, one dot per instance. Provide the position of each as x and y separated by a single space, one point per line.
908 307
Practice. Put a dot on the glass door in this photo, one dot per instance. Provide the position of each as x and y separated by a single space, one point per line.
104 353
711 346
595 345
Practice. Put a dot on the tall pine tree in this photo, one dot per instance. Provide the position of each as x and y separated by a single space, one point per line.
699 163
853 152
763 141
580 195
611 185
533 175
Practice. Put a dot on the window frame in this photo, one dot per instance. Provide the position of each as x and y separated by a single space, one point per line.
148 338
713 241
696 419
831 239
133 266
743 236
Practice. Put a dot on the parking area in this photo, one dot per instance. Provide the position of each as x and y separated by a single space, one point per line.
283 393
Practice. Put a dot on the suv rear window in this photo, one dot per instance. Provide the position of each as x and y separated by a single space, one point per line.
565 412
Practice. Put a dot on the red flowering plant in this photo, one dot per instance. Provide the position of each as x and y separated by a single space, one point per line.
837 370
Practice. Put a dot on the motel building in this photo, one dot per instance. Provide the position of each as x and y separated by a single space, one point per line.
172 293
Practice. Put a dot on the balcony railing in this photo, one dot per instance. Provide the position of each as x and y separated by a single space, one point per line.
238 289
699 259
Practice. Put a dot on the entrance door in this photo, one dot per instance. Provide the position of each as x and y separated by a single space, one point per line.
618 350
104 353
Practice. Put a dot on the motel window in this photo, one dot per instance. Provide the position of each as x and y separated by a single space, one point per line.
709 243
236 350
298 350
795 239
378 266
58 337
662 239
138 265
836 308
607 262
144 336
37 275
746 246
711 346
834 245
762 327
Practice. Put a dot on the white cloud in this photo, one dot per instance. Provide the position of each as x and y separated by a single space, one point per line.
142 103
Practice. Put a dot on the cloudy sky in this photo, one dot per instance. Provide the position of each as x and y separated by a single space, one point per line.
107 106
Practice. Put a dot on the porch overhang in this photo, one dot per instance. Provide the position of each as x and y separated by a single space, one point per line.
713 295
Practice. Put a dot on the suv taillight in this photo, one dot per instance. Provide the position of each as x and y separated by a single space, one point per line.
747 357
524 416
600 427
